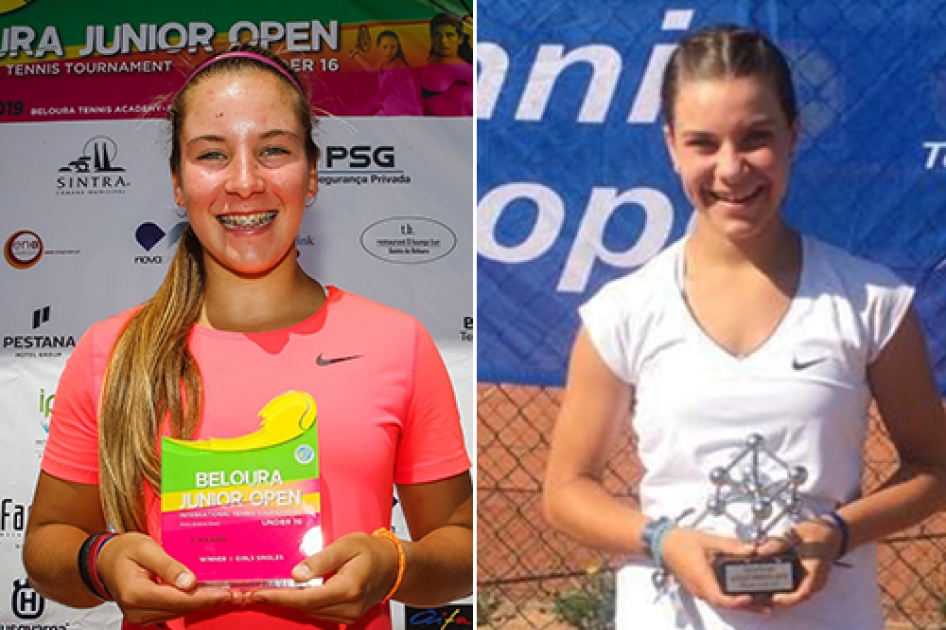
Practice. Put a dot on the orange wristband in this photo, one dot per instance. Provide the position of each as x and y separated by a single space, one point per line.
384 532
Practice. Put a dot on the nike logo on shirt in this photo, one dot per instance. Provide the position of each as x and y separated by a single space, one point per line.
322 361
804 365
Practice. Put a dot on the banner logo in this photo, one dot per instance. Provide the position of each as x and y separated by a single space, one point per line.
26 603
149 234
46 408
359 157
361 165
100 151
441 618
411 240
39 346
23 249
12 518
94 171
41 316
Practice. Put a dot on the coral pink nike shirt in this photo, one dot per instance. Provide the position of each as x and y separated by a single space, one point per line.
386 415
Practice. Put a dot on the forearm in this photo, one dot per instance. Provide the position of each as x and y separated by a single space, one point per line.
595 407
439 562
438 567
911 410
50 554
911 494
586 511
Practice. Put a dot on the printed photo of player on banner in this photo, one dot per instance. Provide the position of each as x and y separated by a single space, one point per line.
285 298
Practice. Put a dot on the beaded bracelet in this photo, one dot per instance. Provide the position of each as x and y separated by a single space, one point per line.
384 532
653 538
88 564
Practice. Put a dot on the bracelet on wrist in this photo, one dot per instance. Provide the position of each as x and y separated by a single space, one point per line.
88 564
387 534
653 536
837 521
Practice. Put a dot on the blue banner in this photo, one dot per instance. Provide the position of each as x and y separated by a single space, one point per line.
576 188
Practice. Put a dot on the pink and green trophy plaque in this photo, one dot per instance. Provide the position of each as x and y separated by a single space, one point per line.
244 511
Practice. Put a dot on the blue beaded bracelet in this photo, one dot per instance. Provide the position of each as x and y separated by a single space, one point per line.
653 538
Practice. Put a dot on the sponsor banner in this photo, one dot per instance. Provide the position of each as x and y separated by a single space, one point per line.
38 338
61 61
29 390
576 188
88 224
86 240
28 610
387 222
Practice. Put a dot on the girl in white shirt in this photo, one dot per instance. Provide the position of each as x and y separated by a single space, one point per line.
745 327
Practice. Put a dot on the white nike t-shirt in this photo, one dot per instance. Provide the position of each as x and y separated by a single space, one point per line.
804 390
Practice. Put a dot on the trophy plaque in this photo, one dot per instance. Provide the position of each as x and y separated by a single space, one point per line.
244 511
770 499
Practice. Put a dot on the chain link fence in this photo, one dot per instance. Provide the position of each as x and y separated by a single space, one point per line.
532 578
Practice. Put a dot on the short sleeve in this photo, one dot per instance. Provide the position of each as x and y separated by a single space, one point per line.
72 448
889 300
605 318
431 447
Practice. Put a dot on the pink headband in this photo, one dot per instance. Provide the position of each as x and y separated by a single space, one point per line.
245 55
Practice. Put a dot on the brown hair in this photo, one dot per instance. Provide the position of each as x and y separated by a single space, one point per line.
400 49
151 374
222 63
727 52
464 50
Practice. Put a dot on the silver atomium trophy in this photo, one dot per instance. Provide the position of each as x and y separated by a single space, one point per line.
770 500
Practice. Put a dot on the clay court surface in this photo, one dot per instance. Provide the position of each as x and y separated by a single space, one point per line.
522 564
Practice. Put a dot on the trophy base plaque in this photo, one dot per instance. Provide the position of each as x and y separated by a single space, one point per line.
754 492
761 575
